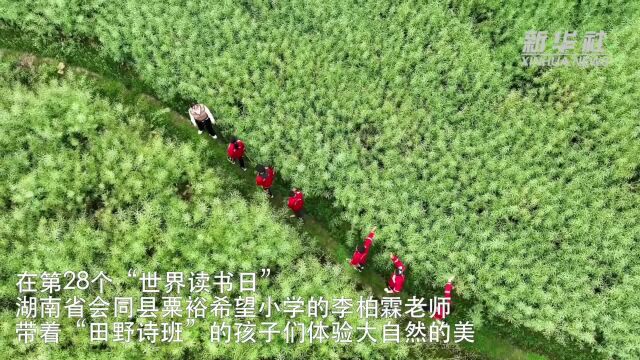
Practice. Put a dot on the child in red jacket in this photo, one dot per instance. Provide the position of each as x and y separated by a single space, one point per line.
396 283
442 311
235 152
265 178
359 258
296 202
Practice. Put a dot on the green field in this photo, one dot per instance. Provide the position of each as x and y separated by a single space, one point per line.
416 117
92 189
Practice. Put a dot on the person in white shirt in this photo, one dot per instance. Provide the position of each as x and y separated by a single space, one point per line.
202 119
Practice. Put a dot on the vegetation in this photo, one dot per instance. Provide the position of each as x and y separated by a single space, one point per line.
92 185
523 183
502 24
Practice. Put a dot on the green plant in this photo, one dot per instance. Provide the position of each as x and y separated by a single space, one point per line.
413 116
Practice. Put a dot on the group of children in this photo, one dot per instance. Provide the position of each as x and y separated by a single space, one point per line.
397 280
202 118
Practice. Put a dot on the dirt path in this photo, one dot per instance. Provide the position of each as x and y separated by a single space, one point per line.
489 343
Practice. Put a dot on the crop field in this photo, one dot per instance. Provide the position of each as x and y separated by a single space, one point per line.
415 116
171 207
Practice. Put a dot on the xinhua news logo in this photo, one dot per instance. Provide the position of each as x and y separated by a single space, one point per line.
564 51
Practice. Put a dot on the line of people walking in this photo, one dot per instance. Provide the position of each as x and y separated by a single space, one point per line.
203 120
397 280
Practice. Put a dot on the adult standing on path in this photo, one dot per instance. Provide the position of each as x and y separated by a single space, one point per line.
202 118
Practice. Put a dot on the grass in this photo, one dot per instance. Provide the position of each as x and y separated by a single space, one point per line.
495 340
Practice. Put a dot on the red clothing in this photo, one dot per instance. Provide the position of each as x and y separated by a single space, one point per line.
397 263
233 153
359 258
268 181
296 202
440 311
396 283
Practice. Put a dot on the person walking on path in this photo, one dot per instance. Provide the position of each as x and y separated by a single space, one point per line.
235 152
265 178
396 282
444 308
359 258
296 203
202 118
